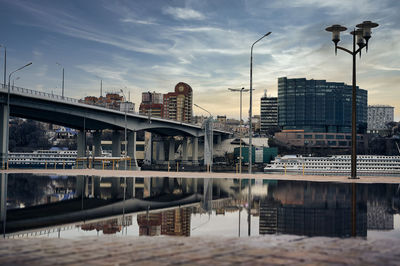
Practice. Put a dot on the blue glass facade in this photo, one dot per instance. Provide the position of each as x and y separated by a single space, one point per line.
319 106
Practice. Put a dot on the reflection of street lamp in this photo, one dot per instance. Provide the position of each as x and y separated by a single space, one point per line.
240 126
8 109
62 79
208 133
362 33
125 107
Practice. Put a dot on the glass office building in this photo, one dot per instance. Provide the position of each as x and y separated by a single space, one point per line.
319 106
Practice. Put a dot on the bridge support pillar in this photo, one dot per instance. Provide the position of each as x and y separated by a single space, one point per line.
3 135
160 152
80 144
96 184
195 151
171 151
132 150
97 143
80 187
219 139
185 150
116 143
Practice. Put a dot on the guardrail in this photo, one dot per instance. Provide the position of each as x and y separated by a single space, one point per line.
19 90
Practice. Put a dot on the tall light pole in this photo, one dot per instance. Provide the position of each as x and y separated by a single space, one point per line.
251 128
8 110
62 92
5 63
240 126
125 107
362 33
208 133
17 78
251 102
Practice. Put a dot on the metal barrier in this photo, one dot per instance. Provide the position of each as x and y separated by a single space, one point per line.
105 163
19 90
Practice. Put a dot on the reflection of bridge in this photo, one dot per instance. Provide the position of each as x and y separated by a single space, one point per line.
69 112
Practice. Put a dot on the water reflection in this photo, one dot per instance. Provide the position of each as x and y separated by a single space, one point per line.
185 207
174 222
314 209
109 226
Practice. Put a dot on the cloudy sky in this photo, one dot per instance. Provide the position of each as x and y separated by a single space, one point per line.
152 45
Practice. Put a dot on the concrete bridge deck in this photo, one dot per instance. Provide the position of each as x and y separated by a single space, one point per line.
129 173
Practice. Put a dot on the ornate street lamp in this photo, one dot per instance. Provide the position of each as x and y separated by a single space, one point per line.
362 33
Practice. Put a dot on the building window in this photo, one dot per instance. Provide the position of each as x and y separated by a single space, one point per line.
339 137
308 136
319 136
330 136
332 143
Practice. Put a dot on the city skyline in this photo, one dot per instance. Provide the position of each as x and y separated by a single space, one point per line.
141 46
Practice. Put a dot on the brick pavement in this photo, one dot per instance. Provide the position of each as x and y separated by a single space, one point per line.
263 250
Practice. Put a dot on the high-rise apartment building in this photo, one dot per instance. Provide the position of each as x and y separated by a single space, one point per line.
319 106
152 104
268 112
379 116
178 105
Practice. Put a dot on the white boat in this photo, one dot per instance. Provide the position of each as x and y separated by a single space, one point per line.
338 164
67 158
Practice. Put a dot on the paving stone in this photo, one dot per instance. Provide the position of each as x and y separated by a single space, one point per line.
270 250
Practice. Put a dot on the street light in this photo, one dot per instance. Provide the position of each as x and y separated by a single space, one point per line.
251 101
241 136
125 107
17 78
251 127
5 64
8 109
362 33
208 133
62 93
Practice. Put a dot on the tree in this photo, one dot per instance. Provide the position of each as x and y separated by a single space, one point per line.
27 135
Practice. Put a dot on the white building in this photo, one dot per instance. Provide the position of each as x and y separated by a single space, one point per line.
378 117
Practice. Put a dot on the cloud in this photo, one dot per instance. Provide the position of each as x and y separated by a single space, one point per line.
183 13
138 21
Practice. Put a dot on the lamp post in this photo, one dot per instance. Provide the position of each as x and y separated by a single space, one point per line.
5 64
125 107
208 133
8 110
251 101
251 127
362 33
17 78
240 125
62 92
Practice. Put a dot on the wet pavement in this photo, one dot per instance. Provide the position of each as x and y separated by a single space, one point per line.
264 250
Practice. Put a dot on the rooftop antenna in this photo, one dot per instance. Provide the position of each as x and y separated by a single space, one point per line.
265 93
129 96
101 88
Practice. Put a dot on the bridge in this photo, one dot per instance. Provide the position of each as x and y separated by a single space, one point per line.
69 112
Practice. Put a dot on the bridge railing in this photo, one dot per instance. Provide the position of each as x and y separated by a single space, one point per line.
19 90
